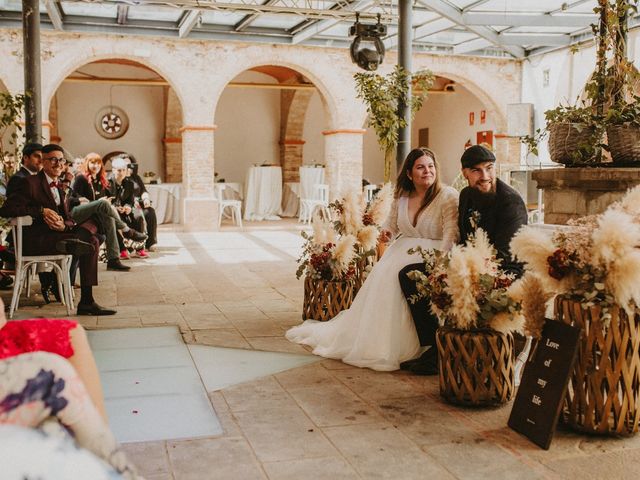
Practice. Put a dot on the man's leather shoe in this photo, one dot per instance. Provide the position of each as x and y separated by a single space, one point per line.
6 282
73 246
134 235
431 355
424 369
117 265
94 309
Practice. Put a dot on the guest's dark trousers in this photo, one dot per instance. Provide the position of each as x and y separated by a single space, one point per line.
426 322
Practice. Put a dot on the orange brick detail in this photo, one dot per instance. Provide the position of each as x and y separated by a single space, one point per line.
357 131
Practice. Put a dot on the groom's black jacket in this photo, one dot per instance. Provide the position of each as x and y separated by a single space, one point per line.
501 218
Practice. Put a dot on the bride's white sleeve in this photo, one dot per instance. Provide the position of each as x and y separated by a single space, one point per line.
450 233
392 221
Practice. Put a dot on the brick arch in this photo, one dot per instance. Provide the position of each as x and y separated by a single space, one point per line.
174 113
293 109
322 85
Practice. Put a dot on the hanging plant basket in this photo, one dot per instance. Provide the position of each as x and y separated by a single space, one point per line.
624 143
476 367
603 396
323 299
571 143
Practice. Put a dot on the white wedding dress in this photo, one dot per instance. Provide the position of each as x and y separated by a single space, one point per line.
377 331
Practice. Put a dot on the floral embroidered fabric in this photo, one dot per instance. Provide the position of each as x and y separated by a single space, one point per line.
41 334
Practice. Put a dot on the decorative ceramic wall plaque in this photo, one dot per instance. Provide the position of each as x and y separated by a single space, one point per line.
111 122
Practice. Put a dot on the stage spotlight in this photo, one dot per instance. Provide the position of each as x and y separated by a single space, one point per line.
367 49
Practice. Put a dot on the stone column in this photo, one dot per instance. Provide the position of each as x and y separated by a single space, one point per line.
49 134
200 208
291 159
172 140
507 150
343 158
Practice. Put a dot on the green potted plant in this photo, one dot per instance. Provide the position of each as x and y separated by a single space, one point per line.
382 95
11 111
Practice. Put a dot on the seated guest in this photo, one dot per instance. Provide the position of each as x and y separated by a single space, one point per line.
122 188
144 202
91 190
488 203
53 230
38 386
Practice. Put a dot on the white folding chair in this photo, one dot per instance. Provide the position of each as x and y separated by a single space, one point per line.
370 191
320 200
234 205
24 263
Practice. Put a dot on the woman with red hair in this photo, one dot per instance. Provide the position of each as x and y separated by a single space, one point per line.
91 180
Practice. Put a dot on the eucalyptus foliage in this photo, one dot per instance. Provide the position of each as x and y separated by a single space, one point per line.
383 94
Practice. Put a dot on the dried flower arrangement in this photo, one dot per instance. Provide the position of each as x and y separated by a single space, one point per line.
468 291
333 250
597 260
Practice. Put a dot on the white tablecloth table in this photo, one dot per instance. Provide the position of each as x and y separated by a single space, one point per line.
310 176
166 198
263 193
290 199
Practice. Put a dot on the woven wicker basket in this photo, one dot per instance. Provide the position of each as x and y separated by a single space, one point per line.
604 389
361 273
570 143
624 142
476 367
323 300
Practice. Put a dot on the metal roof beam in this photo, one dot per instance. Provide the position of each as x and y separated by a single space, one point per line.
319 27
471 46
188 21
474 5
55 13
434 26
529 19
248 19
123 12
454 14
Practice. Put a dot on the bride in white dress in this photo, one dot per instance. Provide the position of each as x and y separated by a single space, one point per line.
377 331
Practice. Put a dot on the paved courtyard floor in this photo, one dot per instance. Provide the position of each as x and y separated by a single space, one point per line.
325 420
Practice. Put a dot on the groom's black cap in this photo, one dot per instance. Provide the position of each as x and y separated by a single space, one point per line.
475 155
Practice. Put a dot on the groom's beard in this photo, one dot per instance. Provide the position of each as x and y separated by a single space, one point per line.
483 200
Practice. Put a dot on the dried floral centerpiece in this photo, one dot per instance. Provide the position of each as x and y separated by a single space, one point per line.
594 269
353 216
469 293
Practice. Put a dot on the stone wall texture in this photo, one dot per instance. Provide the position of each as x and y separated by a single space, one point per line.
198 72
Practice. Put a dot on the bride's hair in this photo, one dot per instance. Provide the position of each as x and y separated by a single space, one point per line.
404 184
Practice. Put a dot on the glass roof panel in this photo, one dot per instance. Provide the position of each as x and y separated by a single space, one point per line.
277 21
525 5
14 5
167 14
109 10
221 18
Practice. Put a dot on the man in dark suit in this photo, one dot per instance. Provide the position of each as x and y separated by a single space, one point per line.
53 230
487 203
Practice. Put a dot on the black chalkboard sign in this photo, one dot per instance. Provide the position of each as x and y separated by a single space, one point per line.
538 402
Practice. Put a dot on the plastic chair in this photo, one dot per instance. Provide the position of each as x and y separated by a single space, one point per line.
320 200
234 205
24 263
370 191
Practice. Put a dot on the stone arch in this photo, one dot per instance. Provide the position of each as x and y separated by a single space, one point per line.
328 100
169 155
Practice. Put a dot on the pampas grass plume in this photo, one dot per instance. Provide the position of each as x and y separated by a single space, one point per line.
380 206
352 212
631 201
345 252
460 287
505 322
368 237
530 292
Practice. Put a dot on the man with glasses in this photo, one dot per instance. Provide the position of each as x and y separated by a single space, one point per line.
53 230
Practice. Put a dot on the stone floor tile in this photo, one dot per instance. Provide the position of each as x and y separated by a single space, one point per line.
265 393
119 322
220 337
379 451
150 458
377 385
283 434
257 327
332 405
202 321
217 458
227 305
218 402
307 376
196 309
327 468
482 459
426 422
621 465
275 344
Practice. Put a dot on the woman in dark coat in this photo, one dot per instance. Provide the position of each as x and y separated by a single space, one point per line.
142 196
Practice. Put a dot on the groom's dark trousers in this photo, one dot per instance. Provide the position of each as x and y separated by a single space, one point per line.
426 322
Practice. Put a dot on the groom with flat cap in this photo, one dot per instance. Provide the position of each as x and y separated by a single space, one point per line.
488 203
